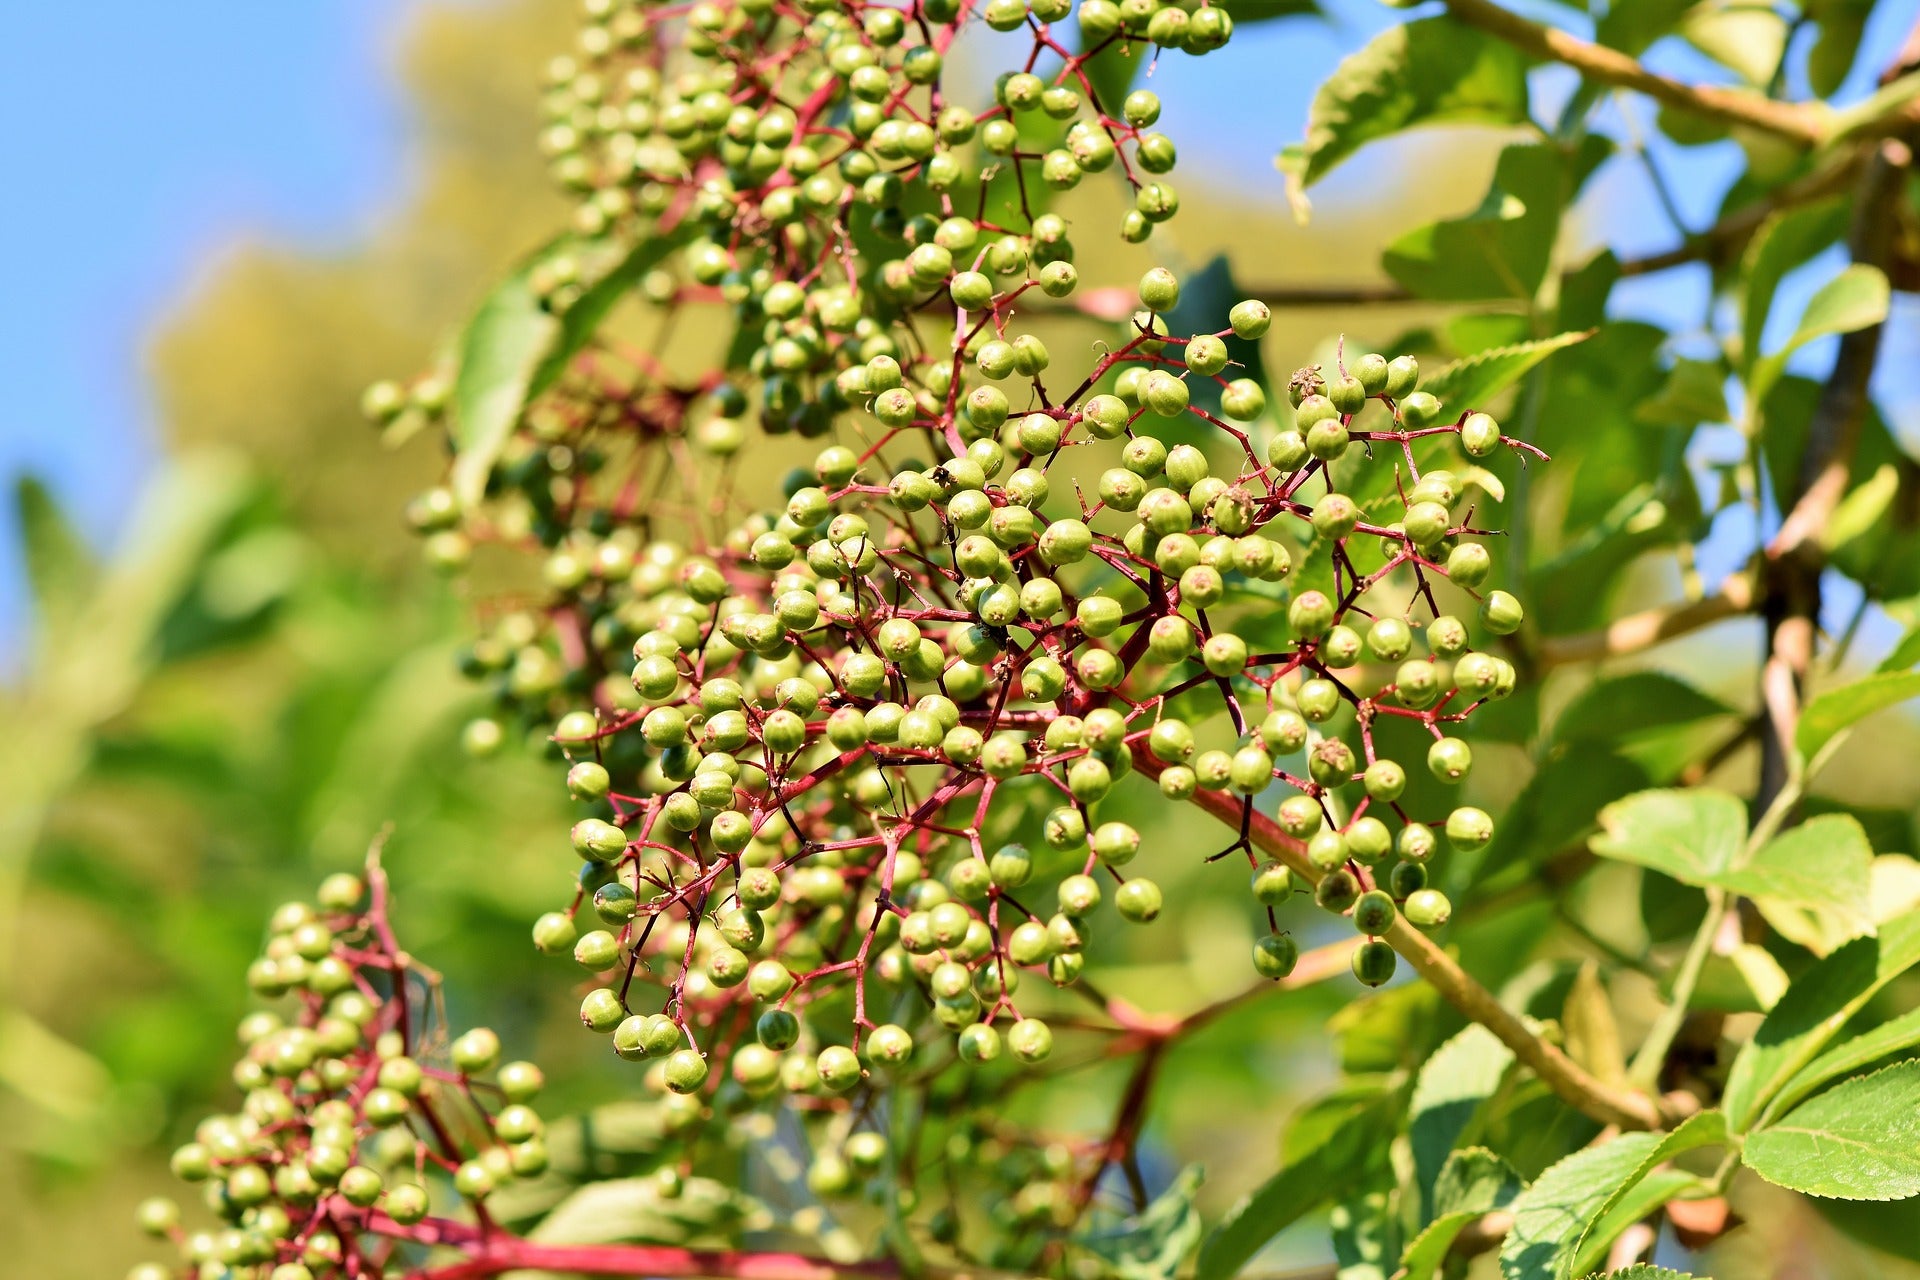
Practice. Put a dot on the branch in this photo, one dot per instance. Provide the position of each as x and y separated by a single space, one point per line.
1567 1078
1797 123
1794 558
1644 630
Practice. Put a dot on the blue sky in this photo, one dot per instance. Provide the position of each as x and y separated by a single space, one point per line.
144 138
141 139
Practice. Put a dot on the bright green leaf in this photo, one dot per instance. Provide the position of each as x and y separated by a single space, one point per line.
1859 1140
1706 1129
1784 241
1904 655
1815 1007
1632 25
1836 709
1855 299
1745 38
1648 1194
1693 836
1431 71
1647 1271
1863 1050
1825 864
1473 382
1550 1216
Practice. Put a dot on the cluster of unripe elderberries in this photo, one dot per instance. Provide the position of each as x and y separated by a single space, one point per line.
846 754
358 1117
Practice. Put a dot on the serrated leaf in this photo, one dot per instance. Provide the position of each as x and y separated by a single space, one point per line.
1473 1182
1153 1244
1550 1216
1855 299
1707 1129
1656 1189
1860 1140
1449 1091
1863 1050
61 568
1472 382
1646 1271
1693 836
1816 1006
1431 71
1840 708
514 348
1824 867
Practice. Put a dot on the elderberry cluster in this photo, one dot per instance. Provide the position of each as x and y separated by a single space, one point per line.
845 753
356 1115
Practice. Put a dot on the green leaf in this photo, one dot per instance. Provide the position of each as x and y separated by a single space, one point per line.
514 348
1815 1007
1205 296
1473 1182
1745 38
1904 655
1499 251
1857 298
1152 1245
1836 709
1783 242
1431 71
1824 865
1471 383
1859 1140
1863 1050
1330 1163
1550 1216
1693 836
1449 1091
1364 1237
1647 1271
1652 718
61 568
1706 1129
1656 1189
633 1209
1632 25
1694 393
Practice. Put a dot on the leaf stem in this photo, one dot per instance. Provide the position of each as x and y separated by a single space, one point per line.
1647 1063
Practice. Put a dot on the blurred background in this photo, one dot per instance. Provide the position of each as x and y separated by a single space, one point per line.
225 669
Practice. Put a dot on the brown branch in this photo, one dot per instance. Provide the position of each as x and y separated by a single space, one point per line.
1797 123
1794 558
1567 1078
1644 630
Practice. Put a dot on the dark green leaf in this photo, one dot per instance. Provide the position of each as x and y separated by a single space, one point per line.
1431 71
1499 251
1860 1140
1632 25
1473 382
1315 1172
1205 298
1816 1006
1152 1245
1694 394
1449 1091
1364 1236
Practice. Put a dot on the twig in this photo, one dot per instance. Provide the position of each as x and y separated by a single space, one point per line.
1644 630
1797 123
